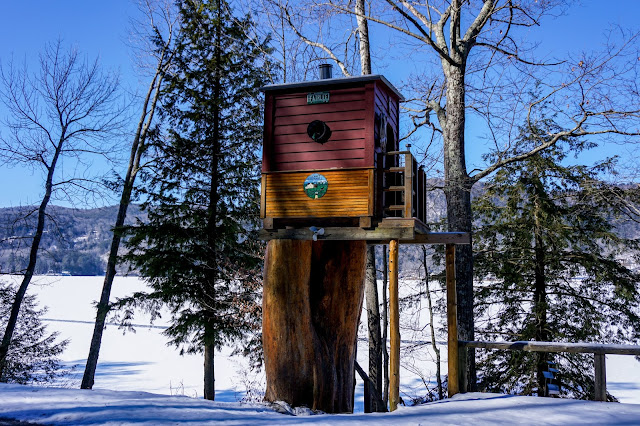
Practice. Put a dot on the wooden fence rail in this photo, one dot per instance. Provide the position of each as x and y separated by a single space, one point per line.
597 349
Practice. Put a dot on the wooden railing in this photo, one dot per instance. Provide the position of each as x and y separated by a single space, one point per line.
598 350
411 182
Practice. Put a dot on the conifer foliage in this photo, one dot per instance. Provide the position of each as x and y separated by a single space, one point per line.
33 353
197 250
551 267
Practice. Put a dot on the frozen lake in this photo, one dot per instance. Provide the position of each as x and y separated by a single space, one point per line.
142 361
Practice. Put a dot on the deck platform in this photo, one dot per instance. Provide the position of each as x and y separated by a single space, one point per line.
406 231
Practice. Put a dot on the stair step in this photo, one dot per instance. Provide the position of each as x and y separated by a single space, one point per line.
394 189
395 207
394 169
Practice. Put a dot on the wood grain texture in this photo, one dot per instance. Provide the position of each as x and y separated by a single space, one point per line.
332 106
369 133
336 96
322 164
386 102
374 236
394 328
347 195
320 155
291 148
312 299
267 142
301 129
600 377
574 348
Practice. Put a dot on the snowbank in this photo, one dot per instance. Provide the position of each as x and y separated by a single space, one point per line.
56 406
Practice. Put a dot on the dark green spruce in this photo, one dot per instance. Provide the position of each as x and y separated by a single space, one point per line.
198 251
551 266
33 353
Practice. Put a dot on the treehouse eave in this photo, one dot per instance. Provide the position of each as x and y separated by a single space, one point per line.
332 82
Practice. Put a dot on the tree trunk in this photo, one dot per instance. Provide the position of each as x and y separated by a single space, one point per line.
375 340
210 293
540 304
103 305
432 327
458 194
137 148
209 366
33 257
385 327
363 31
312 299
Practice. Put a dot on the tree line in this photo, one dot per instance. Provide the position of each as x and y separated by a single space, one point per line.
193 165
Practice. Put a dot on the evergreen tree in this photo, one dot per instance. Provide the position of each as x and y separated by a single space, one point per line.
198 250
550 268
33 354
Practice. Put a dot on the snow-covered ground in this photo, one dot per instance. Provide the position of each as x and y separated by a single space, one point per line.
78 407
141 362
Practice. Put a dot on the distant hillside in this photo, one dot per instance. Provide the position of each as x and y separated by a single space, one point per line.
75 241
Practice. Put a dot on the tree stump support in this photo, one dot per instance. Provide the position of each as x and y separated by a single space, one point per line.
312 300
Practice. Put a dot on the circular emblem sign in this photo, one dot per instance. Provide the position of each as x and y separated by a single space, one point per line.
315 186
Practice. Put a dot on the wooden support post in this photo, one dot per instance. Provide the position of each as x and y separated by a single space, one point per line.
601 377
462 368
452 321
394 328
408 185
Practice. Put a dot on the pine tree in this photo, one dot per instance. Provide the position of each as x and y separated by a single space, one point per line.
549 264
33 353
198 250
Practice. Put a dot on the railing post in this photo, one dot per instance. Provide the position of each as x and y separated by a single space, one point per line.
462 367
452 321
408 185
601 377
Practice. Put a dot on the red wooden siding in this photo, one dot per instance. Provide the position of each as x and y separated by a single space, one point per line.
387 103
290 147
350 114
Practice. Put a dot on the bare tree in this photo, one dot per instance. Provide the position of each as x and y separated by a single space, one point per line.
292 57
373 388
63 113
161 26
432 327
478 61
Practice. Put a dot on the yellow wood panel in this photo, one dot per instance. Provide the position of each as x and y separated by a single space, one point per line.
348 194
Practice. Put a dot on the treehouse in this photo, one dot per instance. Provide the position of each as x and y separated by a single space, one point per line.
333 172
332 165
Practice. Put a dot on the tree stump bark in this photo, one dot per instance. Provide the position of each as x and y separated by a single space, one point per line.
312 300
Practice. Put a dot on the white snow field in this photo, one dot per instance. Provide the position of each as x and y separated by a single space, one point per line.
141 380
78 407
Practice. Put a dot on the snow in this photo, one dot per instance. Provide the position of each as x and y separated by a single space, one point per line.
141 380
104 407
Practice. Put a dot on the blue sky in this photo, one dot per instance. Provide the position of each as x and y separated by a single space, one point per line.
100 28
